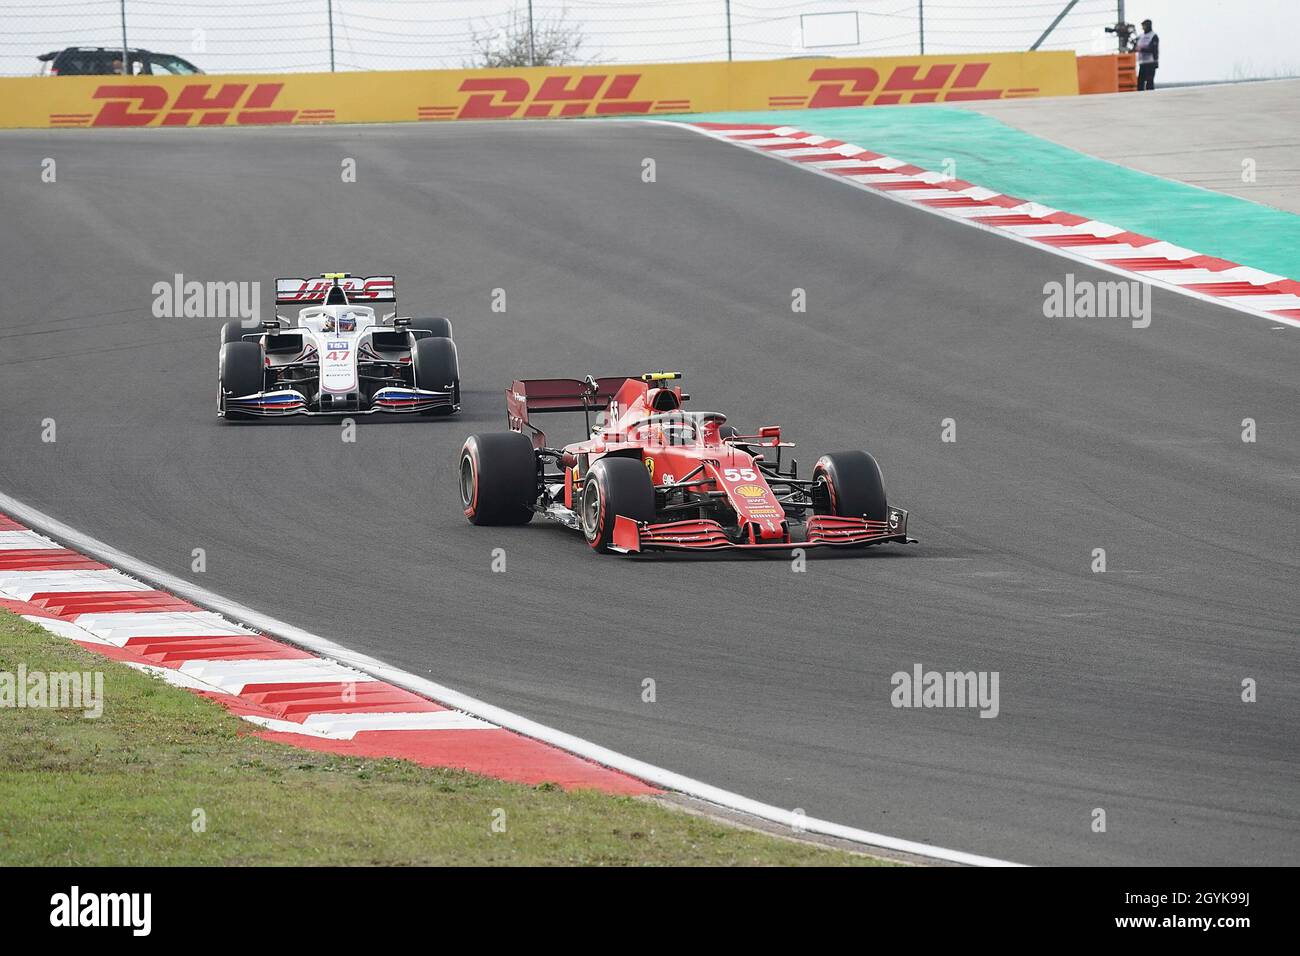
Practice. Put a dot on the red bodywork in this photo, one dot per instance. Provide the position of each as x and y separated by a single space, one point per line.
635 420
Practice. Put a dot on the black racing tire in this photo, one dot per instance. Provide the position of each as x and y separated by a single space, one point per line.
437 368
613 487
498 478
240 372
234 331
854 485
728 431
438 326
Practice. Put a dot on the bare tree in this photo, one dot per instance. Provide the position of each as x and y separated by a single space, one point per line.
554 41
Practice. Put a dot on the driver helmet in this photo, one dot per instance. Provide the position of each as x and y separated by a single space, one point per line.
675 431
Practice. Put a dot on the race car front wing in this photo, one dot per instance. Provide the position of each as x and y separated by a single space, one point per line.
706 535
290 401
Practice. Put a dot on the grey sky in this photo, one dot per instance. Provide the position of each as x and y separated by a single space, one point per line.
1200 39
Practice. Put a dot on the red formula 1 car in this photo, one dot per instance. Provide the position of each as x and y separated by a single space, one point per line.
654 476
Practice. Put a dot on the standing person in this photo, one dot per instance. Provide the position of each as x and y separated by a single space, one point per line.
1148 56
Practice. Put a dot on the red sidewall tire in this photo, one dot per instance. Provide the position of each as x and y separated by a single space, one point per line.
854 485
468 460
497 478
623 487
593 538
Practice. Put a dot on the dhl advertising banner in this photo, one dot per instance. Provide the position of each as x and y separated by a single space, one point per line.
527 93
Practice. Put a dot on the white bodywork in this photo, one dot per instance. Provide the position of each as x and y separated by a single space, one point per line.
340 357
336 331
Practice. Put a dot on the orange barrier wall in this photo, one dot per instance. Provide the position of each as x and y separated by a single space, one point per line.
1109 73
531 92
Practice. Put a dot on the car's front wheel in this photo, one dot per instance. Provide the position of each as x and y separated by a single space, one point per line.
852 486
437 368
614 487
240 372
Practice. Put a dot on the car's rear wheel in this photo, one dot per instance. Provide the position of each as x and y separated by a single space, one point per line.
437 368
239 372
498 478
437 326
613 487
852 486
235 330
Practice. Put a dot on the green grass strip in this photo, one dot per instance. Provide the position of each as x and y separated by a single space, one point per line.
127 789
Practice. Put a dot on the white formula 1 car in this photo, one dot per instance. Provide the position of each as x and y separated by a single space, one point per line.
338 358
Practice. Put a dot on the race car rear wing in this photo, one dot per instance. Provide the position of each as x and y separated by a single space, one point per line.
561 394
530 395
362 290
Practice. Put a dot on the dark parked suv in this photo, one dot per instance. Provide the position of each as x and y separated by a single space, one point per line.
107 61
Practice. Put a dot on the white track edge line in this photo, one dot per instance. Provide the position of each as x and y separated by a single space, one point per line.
668 779
996 230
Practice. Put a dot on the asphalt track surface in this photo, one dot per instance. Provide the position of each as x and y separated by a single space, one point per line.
1118 690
